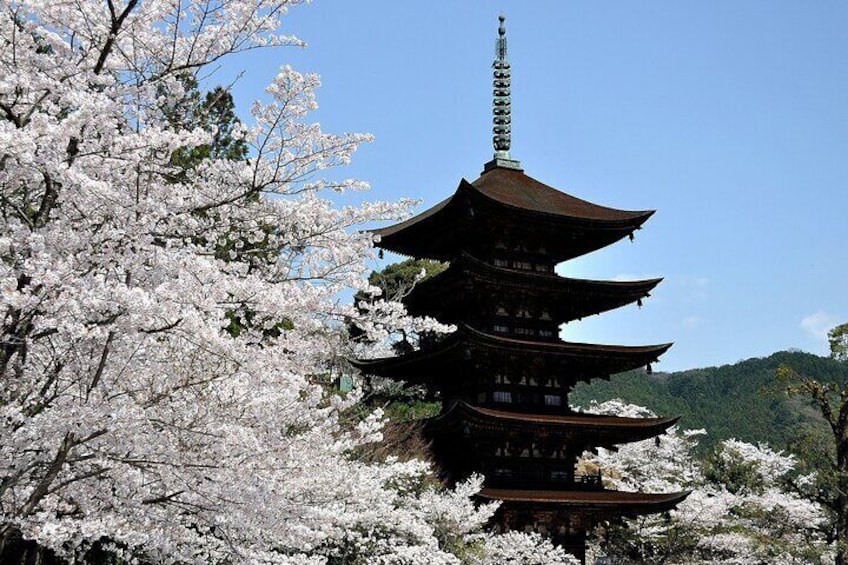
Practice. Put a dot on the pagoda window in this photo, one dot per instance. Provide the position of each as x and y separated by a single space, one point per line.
525 331
532 381
481 398
502 396
545 315
542 250
559 475
501 311
524 313
501 263
500 328
543 268
503 473
500 245
546 333
501 379
526 265
553 400
523 380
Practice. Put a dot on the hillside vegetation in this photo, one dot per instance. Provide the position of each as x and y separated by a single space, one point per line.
742 401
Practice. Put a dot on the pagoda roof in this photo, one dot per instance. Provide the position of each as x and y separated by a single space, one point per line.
619 503
513 188
598 295
584 361
512 196
599 430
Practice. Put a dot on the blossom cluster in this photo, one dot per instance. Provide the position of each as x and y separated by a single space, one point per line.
742 508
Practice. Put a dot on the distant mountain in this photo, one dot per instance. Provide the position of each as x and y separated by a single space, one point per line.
743 400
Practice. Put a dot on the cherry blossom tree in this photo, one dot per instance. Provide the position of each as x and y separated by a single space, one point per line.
171 315
744 507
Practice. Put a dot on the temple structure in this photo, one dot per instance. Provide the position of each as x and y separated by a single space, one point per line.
504 376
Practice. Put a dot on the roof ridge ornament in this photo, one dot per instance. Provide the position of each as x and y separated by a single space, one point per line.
501 106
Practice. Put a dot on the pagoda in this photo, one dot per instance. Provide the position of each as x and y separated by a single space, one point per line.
504 375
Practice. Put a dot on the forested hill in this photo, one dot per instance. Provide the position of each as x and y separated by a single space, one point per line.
742 401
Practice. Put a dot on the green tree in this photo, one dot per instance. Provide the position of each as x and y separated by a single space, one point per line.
827 454
838 338
210 111
397 279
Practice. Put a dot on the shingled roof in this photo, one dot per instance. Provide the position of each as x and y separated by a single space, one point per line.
597 430
550 289
513 188
517 196
602 360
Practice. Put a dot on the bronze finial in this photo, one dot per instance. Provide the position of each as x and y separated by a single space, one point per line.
502 104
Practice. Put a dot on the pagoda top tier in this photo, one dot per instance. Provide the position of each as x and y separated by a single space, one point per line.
499 207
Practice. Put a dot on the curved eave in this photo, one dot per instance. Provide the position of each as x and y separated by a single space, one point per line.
432 232
601 296
381 365
576 420
569 349
405 237
618 503
421 363
516 190
605 431
415 221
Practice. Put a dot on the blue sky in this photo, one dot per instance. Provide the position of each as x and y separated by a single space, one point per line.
730 118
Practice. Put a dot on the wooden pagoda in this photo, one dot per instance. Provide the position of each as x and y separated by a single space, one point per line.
504 376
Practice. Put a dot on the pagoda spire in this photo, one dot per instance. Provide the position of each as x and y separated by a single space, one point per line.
501 105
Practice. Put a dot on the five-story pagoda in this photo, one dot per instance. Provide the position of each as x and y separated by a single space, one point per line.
504 375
